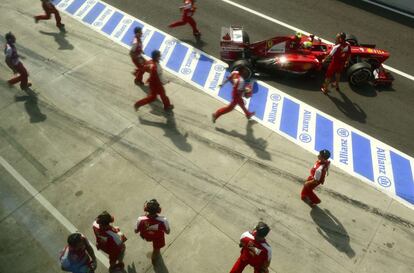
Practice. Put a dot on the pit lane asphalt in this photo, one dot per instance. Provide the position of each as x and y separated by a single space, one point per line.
386 114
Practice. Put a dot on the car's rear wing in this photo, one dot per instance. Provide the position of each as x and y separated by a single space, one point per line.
233 34
233 42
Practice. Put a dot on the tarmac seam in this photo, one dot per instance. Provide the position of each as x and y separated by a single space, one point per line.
285 226
173 194
100 150
197 213
34 194
372 238
292 177
76 167
23 152
390 217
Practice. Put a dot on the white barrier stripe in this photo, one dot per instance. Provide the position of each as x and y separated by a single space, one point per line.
189 64
85 8
64 4
306 127
102 19
343 146
166 49
122 27
382 167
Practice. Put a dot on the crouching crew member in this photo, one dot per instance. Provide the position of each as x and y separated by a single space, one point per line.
317 177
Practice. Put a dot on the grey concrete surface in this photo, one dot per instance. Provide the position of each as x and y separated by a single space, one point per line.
81 145
380 112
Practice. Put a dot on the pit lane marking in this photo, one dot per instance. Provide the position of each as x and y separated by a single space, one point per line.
271 19
48 206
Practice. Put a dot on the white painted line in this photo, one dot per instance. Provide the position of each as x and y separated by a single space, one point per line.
396 71
389 8
46 204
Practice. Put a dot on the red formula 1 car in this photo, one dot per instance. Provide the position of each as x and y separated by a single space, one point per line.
301 55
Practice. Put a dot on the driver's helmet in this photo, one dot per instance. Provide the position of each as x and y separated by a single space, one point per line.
298 36
307 45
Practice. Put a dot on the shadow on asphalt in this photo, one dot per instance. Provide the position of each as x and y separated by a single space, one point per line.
156 107
159 266
131 268
258 145
331 229
197 43
304 82
368 90
60 39
347 107
31 106
381 12
171 131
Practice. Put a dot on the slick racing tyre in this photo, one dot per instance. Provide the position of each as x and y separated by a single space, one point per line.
359 73
237 64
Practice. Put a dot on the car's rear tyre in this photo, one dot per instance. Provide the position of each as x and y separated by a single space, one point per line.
359 73
237 64
351 39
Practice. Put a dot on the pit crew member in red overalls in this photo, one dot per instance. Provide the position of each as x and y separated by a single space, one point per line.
76 256
152 227
49 8
136 56
339 57
239 89
188 10
255 251
13 61
317 177
156 82
110 240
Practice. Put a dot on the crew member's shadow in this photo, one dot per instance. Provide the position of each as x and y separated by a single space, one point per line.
349 108
159 266
31 106
60 39
330 228
258 145
171 131
131 268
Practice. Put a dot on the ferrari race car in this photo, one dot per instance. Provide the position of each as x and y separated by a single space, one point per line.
300 55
